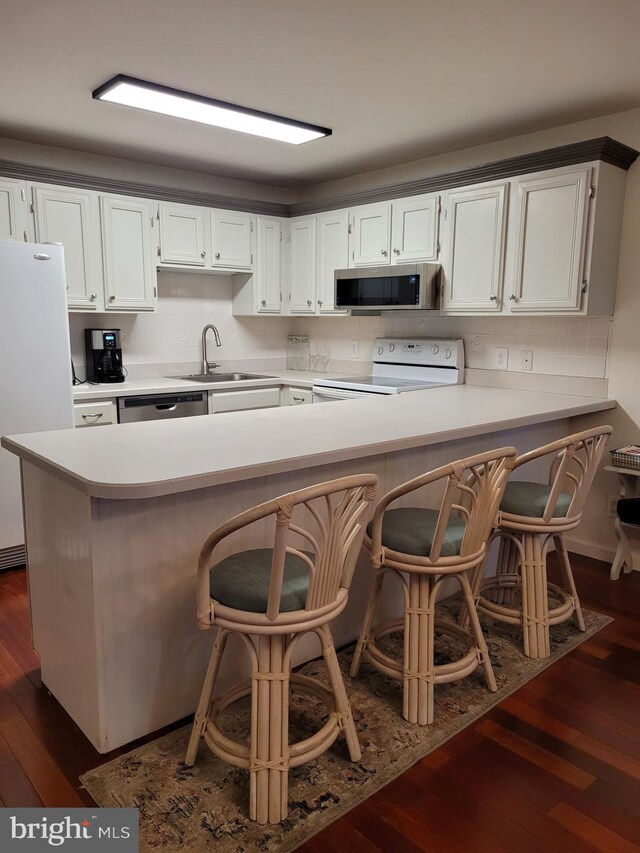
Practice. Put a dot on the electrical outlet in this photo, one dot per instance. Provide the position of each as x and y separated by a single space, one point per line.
502 358
612 502
355 349
526 359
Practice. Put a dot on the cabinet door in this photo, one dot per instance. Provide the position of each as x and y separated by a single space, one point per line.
414 229
231 244
182 230
333 254
552 227
371 235
302 265
14 215
129 247
267 273
71 217
475 230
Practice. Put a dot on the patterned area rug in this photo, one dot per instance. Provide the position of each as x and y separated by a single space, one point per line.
205 808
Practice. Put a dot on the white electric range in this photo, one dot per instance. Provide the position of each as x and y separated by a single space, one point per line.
399 365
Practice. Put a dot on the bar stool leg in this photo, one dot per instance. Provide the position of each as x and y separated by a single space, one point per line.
535 602
269 767
623 556
363 639
508 558
476 628
569 583
419 671
343 706
202 713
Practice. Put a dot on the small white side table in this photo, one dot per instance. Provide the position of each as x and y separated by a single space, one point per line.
628 478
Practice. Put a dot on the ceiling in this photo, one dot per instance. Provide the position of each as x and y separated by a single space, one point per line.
395 81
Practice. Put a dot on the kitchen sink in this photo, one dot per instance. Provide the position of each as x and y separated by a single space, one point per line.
224 377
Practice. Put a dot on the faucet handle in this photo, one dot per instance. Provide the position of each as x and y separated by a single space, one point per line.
212 364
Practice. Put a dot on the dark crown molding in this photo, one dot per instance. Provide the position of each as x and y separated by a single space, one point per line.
604 148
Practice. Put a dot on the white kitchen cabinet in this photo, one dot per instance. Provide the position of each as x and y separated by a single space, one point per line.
475 230
237 401
302 265
182 234
414 229
14 212
72 217
292 396
332 232
129 246
98 413
231 240
261 293
371 235
556 217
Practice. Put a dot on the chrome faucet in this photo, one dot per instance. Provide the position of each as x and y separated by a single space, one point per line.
206 364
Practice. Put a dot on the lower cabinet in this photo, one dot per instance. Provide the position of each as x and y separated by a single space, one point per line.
98 413
238 401
292 396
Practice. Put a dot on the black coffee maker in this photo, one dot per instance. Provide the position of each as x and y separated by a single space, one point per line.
103 355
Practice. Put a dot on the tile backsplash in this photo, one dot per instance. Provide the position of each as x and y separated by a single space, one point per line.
572 350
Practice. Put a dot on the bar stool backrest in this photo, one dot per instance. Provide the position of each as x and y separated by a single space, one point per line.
329 520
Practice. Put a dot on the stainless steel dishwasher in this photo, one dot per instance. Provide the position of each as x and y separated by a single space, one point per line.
156 407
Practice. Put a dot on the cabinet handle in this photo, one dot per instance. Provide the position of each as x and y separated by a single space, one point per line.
217 256
297 399
383 252
396 251
493 297
95 415
203 254
264 302
112 299
94 296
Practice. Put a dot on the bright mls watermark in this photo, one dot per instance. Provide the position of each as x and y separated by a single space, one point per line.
69 829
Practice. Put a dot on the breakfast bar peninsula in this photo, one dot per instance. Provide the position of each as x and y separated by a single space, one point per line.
115 518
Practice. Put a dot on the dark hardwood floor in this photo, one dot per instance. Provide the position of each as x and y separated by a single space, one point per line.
555 767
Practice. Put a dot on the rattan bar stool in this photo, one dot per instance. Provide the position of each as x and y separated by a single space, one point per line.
430 546
270 598
533 516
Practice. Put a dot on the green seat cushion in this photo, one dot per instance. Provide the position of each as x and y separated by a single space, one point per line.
242 581
410 530
530 499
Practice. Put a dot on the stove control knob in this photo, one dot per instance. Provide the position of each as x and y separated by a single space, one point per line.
435 349
392 347
447 353
380 350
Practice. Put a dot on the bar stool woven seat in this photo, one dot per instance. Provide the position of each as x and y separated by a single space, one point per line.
430 546
533 516
270 598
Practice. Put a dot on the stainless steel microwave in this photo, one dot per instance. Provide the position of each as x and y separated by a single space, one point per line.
399 287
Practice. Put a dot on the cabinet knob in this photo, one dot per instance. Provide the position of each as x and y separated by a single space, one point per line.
264 302
309 302
513 297
493 297
112 299
396 251
94 296
383 252
203 254
320 302
217 256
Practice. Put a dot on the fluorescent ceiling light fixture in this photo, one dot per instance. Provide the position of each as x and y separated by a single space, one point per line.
131 92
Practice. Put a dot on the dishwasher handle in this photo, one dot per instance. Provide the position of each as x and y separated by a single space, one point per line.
166 407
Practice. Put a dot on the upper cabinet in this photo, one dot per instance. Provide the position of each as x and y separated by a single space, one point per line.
371 235
72 217
332 254
194 237
129 251
261 293
475 243
14 216
414 229
302 265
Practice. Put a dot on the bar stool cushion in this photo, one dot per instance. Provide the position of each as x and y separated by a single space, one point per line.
530 499
410 530
242 580
628 510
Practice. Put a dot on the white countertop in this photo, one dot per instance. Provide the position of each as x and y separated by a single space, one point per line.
162 457
168 385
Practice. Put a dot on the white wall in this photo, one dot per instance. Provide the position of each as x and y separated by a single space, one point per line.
168 342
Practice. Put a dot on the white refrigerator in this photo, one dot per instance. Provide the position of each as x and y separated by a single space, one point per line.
35 368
